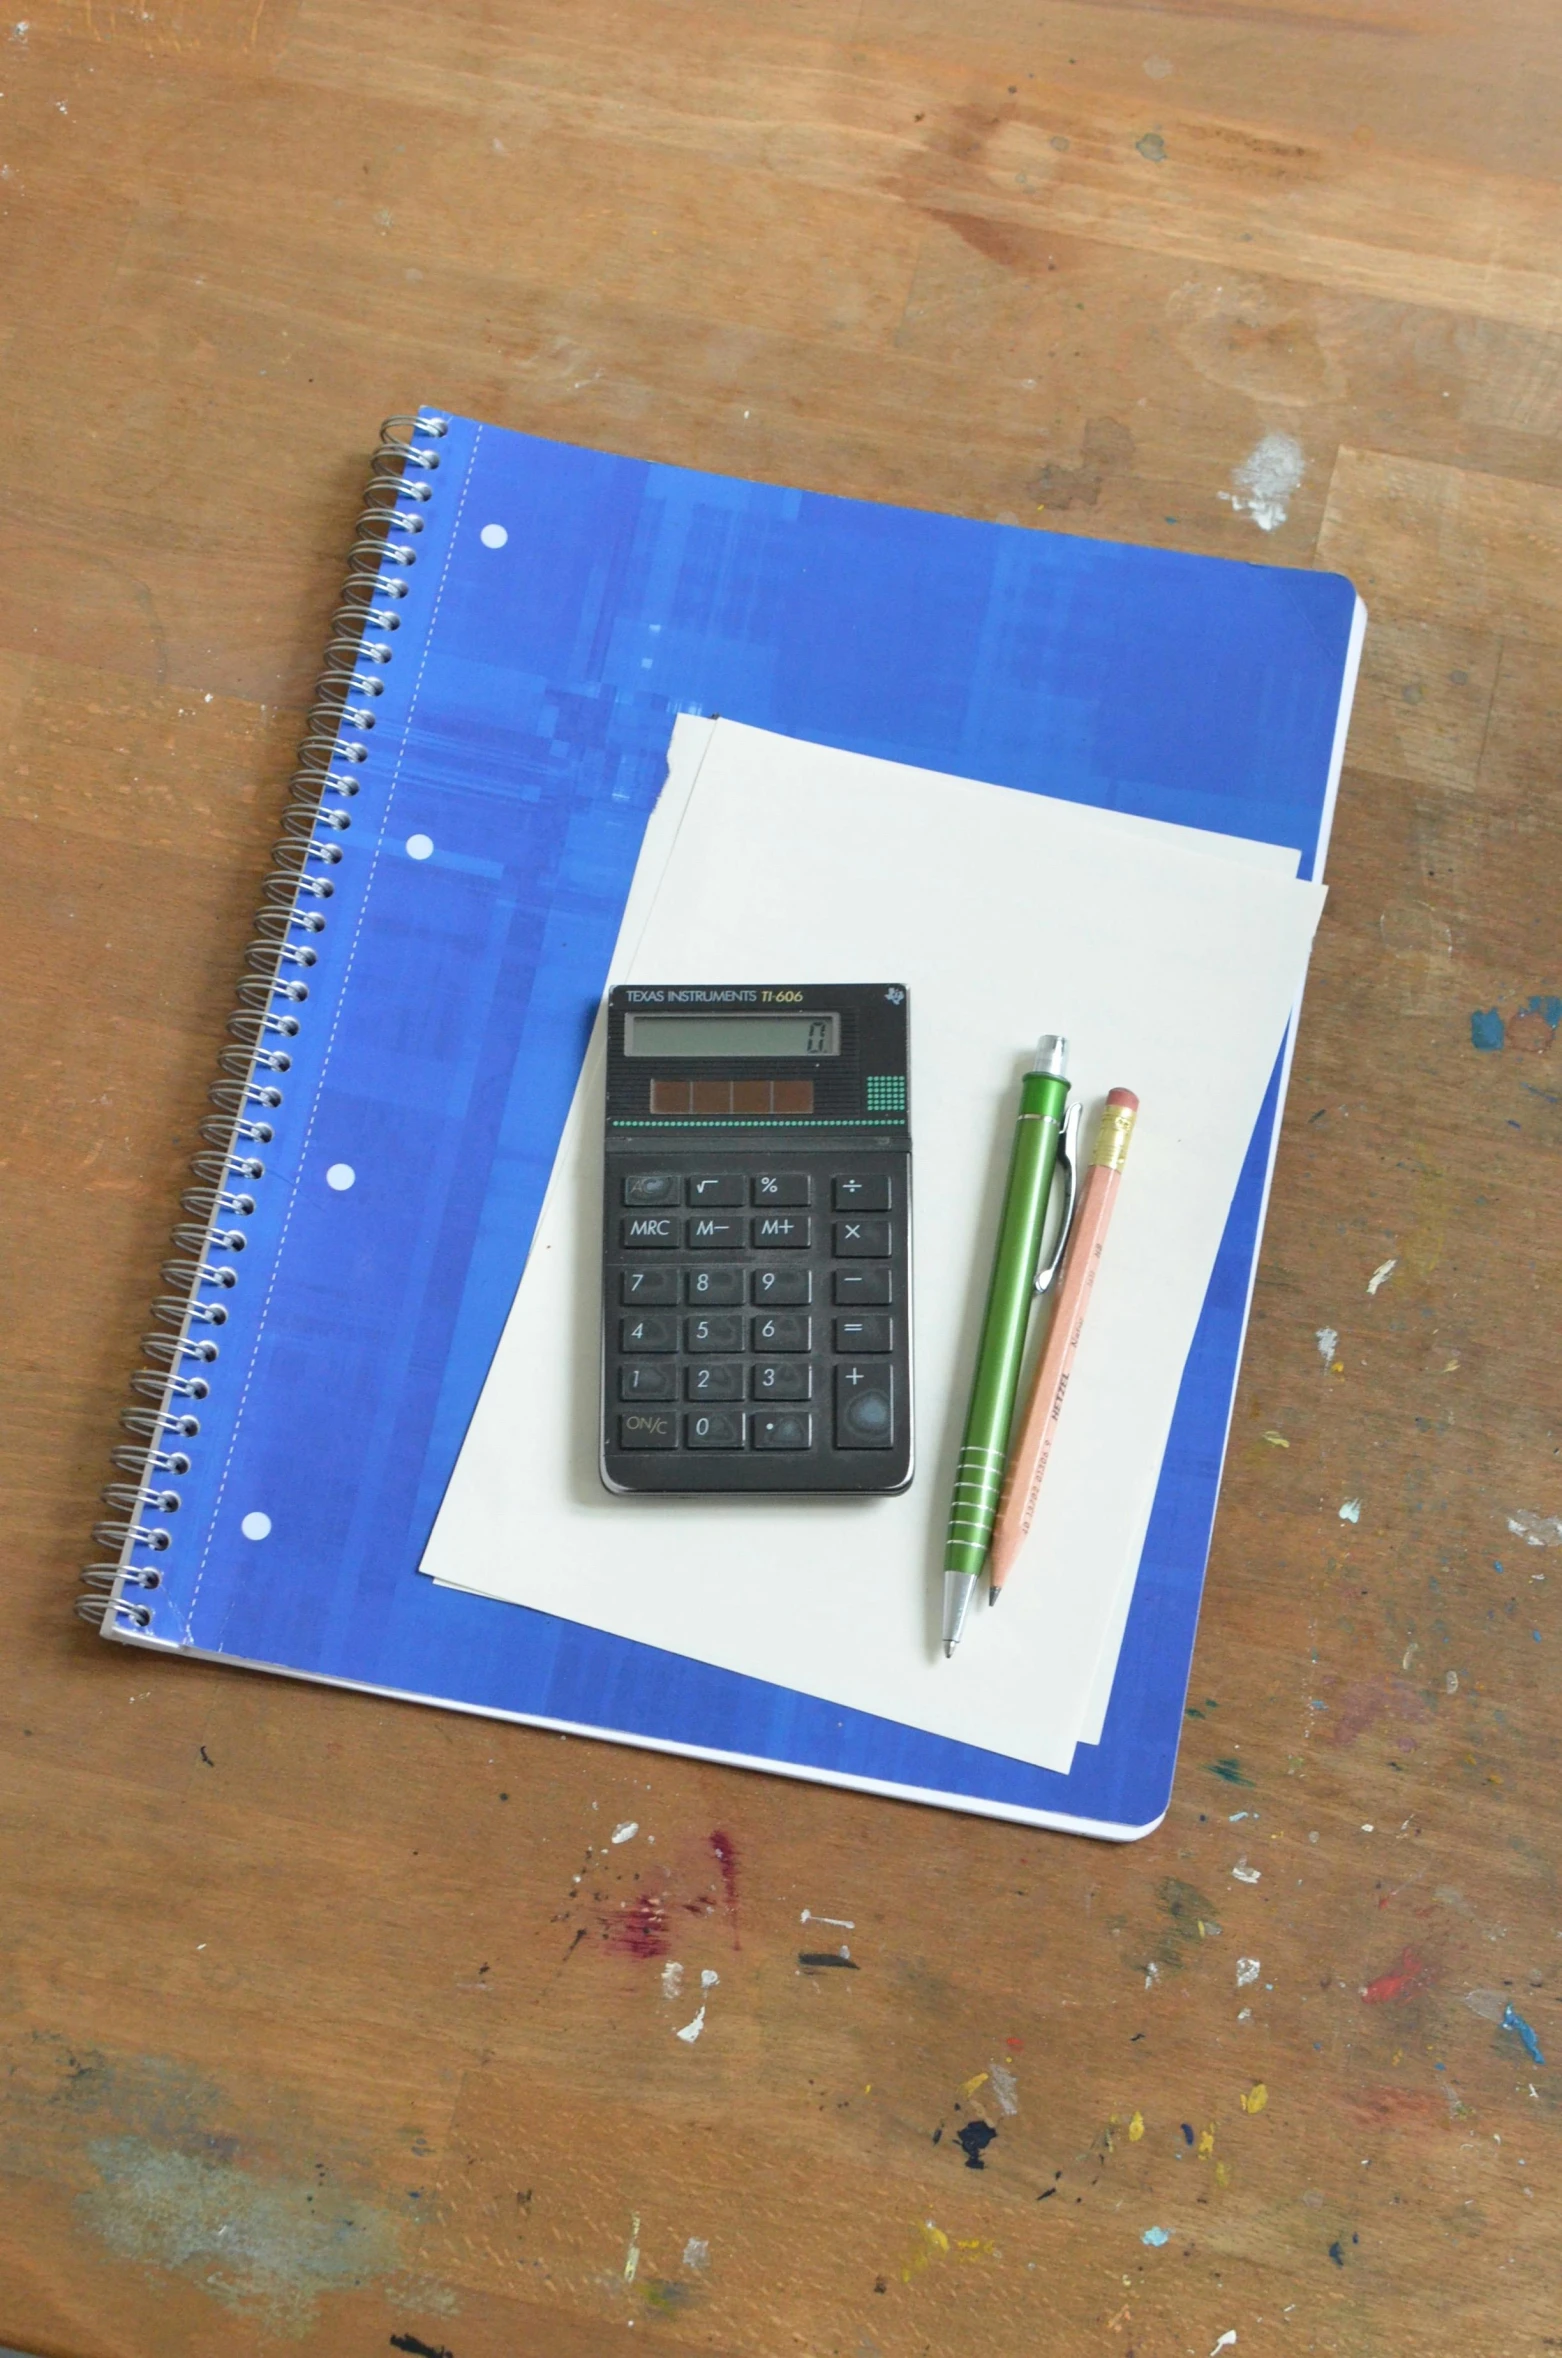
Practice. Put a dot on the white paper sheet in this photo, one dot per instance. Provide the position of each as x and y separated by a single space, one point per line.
1172 969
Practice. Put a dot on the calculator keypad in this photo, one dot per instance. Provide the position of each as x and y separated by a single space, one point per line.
757 1321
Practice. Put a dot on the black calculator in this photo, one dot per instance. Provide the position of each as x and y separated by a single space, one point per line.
756 1249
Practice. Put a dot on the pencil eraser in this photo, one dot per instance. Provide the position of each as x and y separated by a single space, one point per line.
1123 1097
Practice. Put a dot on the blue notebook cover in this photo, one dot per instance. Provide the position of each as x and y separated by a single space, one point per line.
554 610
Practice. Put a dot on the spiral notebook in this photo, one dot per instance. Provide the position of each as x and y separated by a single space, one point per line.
465 824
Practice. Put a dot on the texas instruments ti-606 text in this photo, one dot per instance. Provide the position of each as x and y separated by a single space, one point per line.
756 1308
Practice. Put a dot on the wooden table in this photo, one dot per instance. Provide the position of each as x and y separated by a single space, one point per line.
303 2048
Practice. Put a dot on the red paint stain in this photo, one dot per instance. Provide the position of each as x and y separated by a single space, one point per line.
1364 1704
638 1930
726 1852
1016 2044
1407 1975
1399 2108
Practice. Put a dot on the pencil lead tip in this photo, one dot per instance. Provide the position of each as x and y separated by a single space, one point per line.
993 1594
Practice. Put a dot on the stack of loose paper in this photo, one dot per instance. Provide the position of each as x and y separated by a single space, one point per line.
1172 961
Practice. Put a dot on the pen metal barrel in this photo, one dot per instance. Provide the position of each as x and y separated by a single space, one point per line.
979 1470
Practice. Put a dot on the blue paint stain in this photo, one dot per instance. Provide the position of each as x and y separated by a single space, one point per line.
1548 1009
1187 2132
1514 2021
1486 1029
1337 2255
1155 2235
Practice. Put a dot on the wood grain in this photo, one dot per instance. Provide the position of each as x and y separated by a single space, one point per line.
328 2025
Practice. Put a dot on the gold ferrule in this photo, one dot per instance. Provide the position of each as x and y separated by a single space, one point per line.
1111 1147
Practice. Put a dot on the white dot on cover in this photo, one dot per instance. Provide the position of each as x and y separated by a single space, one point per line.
419 846
340 1176
493 536
256 1526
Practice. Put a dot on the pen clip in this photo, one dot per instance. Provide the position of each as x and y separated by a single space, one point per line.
1068 1152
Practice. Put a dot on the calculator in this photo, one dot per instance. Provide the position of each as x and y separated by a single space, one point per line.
756 1246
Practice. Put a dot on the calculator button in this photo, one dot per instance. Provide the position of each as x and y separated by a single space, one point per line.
782 1330
712 1287
783 1187
714 1235
651 1187
782 1432
648 1285
872 1287
714 1379
714 1428
648 1231
860 1194
781 1379
647 1333
867 1330
867 1238
783 1285
784 1232
722 1331
712 1192
647 1379
648 1428
864 1407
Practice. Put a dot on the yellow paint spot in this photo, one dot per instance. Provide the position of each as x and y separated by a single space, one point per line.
1206 2145
1223 2173
1277 1441
1256 2098
932 2244
1337 1366
1450 1366
969 2087
868 2090
1136 2128
976 2247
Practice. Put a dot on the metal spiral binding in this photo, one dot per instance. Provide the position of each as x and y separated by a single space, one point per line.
328 775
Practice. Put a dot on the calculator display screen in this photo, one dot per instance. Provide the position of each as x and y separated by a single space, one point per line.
733 1035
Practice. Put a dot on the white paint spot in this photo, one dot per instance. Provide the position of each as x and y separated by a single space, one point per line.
1490 2005
1244 1873
1369 1829
1536 1530
1248 1970
1381 1275
1244 2014
632 2256
493 536
1226 2341
672 1978
341 1176
1328 1343
1451 1683
256 1526
696 2252
1152 1974
419 846
1005 2087
1350 1512
1158 68
1266 479
708 1980
627 1831
691 2030
841 1923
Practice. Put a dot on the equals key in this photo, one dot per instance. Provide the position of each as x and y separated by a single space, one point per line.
865 1331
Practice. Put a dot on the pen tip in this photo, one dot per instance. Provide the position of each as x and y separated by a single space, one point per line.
949 1649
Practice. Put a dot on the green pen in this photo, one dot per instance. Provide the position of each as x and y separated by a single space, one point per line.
979 1469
